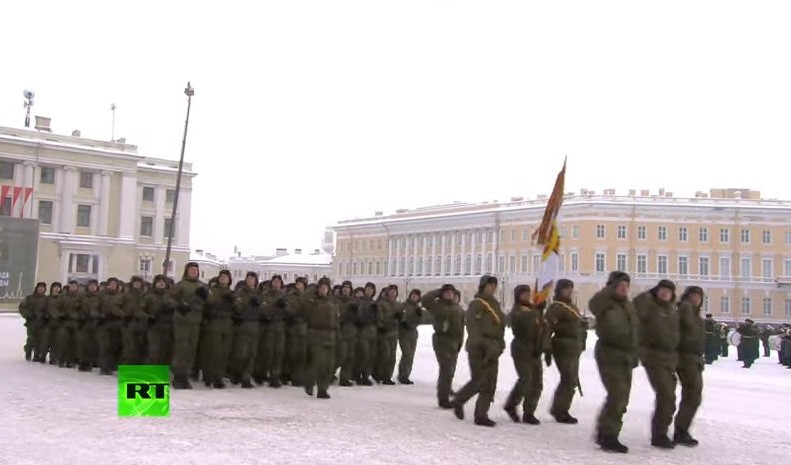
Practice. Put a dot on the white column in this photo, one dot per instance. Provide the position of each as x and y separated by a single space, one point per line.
104 203
495 237
425 258
471 271
394 271
67 212
463 252
127 210
407 249
389 257
434 269
453 238
27 211
182 236
160 214
442 261
483 252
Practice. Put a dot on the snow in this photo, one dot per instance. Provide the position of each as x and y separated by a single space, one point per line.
57 416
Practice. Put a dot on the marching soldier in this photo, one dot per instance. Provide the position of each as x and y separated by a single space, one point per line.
390 314
448 337
565 325
658 348
692 344
133 330
616 357
33 305
407 335
297 335
724 340
366 336
529 343
749 345
765 333
218 330
247 319
272 340
347 339
87 345
157 311
108 333
712 339
54 318
190 294
322 315
485 344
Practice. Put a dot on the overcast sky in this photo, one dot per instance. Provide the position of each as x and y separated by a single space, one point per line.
307 112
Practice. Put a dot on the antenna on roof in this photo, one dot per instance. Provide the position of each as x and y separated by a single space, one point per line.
28 94
112 133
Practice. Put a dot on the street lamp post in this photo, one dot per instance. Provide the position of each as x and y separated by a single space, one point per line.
189 92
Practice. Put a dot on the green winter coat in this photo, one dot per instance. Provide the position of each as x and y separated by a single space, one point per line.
322 316
530 331
348 307
565 326
448 317
616 327
183 292
389 314
658 334
692 333
485 327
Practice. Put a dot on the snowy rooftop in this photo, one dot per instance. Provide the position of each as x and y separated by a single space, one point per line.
319 259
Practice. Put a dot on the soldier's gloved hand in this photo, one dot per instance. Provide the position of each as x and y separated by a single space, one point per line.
255 301
227 298
183 309
280 303
202 292
548 358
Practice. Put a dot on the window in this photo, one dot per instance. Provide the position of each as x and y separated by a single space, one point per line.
83 216
168 227
45 211
490 237
447 270
501 235
766 236
6 210
562 263
148 194
488 263
663 233
621 231
767 306
512 264
145 266
788 307
419 266
478 264
501 264
457 271
599 231
641 233
786 267
661 264
379 267
86 180
682 234
146 226
725 235
524 263
725 267
706 304
47 175
402 266
600 262
536 263
575 231
766 268
525 234
725 304
745 236
683 266
746 305
410 266
642 264
746 268
386 267
354 269
703 269
575 262
788 237
170 195
6 170
620 262
83 263
438 266
468 265
703 235
513 235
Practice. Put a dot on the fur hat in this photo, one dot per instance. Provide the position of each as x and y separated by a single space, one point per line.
41 284
667 284
618 276
251 273
486 279
358 289
415 291
54 285
302 280
692 290
226 273
325 282
519 290
562 285
191 265
446 287
371 285
274 277
160 277
347 284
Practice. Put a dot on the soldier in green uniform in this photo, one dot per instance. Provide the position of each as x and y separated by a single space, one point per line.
157 310
33 304
407 335
347 340
59 335
67 331
565 326
712 339
87 345
219 330
529 343
616 356
190 294
366 336
692 344
247 322
658 339
749 345
49 330
448 321
133 330
274 336
485 344
108 332
322 315
389 316
296 335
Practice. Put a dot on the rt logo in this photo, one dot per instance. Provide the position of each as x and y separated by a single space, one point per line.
143 391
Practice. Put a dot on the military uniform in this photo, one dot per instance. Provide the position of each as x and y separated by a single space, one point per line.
616 357
69 324
322 316
347 340
190 294
272 344
55 317
33 305
389 316
692 344
749 345
407 337
108 331
366 339
87 344
219 332
565 326
157 311
658 349
712 340
133 330
43 323
247 319
448 322
296 339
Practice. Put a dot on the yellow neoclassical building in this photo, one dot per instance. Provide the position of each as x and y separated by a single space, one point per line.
104 209
733 243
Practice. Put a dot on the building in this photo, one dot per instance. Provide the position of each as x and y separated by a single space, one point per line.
733 243
312 266
104 209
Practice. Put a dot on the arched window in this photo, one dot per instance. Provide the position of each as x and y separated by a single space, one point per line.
354 269
468 265
428 266
402 268
377 268
438 266
420 265
448 270
478 264
457 271
411 269
488 263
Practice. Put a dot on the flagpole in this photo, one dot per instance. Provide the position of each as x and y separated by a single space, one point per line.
189 92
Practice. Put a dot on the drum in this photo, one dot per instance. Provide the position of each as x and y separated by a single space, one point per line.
774 342
734 338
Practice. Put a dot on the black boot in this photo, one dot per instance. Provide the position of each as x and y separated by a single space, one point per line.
388 382
511 411
28 355
366 382
218 385
234 380
323 395
105 371
530 419
458 410
661 441
207 383
275 383
309 390
258 381
485 421
683 438
445 404
247 385
345 383
405 381
85 368
566 419
610 443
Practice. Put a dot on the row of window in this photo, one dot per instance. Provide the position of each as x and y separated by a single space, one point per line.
47 175
683 265
683 234
147 227
767 308
148 194
45 208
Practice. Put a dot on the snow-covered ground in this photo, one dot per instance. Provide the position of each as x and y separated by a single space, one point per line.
58 416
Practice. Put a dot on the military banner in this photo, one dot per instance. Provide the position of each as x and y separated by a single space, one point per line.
18 258
548 237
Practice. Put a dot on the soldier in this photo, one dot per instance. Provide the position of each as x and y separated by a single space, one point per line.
616 357
565 326
712 339
584 327
67 332
366 336
296 335
133 330
157 311
272 346
347 340
389 316
108 332
322 315
529 343
692 344
219 330
49 328
448 337
485 344
87 348
247 325
749 345
407 335
190 294
765 333
33 305
658 348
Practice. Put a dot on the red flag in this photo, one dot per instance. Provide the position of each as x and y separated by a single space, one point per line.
28 193
542 235
3 194
17 193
